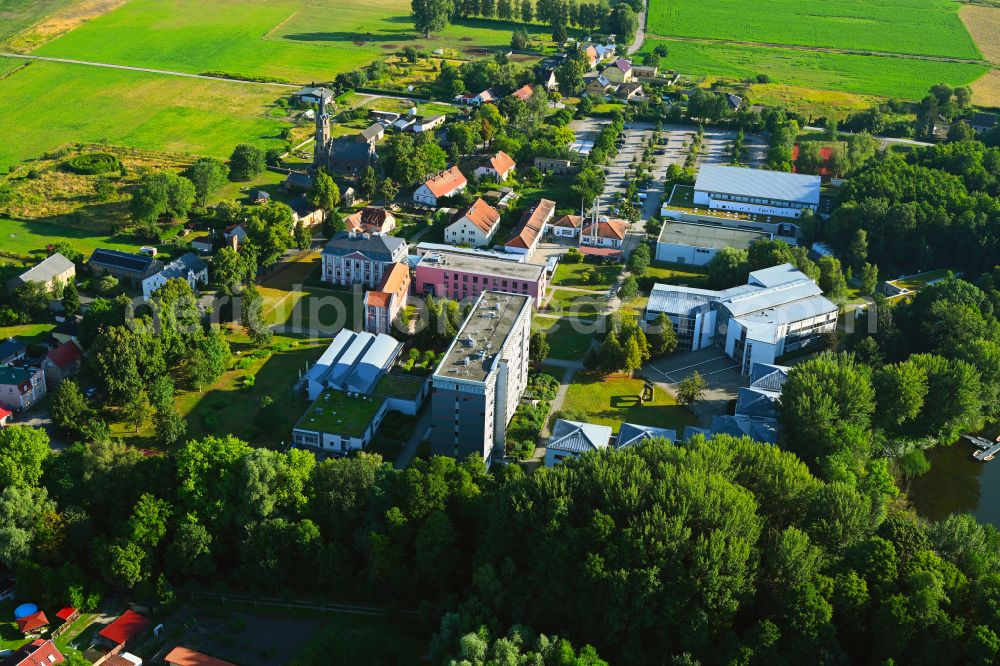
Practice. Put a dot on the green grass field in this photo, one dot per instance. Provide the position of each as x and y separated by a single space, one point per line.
26 237
298 40
569 338
866 75
611 400
571 275
928 27
51 104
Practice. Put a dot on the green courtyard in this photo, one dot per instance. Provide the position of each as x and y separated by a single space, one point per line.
613 399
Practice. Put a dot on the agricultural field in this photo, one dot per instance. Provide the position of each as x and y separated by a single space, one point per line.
289 39
864 75
133 108
925 27
983 24
20 14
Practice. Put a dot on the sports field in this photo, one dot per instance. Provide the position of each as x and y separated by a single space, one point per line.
51 104
297 40
866 75
927 27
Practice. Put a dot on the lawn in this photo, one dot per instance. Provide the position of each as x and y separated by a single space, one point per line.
576 303
27 333
921 280
293 299
232 407
688 276
569 338
612 399
928 27
24 237
571 275
866 75
297 40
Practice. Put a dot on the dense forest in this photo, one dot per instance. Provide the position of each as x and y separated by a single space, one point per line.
715 552
937 207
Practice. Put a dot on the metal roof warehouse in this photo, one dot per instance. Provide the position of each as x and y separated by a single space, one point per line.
759 183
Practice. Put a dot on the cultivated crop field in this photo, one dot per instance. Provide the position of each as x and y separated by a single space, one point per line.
297 40
930 27
51 104
16 15
866 75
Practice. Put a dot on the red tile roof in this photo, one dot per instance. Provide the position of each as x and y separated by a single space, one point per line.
446 182
392 282
65 355
523 93
610 229
370 219
532 225
126 627
480 214
182 656
501 163
569 221
4 412
39 652
29 623
66 613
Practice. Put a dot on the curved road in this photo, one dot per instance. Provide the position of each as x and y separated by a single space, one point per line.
640 34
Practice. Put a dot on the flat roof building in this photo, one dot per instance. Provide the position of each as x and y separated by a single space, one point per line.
779 310
460 276
756 191
696 244
352 391
478 385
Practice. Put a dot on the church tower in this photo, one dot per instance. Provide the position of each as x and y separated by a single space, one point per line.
321 150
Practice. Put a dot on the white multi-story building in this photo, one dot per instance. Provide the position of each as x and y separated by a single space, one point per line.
778 311
478 385
756 191
475 225
358 258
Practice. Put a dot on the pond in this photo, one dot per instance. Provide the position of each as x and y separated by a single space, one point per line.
957 483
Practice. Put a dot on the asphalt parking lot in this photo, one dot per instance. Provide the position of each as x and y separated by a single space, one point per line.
721 374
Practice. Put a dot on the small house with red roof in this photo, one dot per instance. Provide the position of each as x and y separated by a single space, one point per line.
447 183
39 652
476 225
62 362
523 93
66 617
498 167
5 415
32 624
567 226
124 630
609 234
371 220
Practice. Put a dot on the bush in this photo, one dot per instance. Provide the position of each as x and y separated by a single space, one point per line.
92 164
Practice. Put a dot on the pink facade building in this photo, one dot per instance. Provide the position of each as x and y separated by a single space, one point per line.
459 276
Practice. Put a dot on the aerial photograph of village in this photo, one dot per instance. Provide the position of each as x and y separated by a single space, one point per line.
499 332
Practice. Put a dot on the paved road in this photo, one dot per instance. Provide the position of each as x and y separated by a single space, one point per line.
640 34
148 70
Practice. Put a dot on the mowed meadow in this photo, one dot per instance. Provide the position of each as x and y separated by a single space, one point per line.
297 40
925 27
863 75
821 44
51 104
